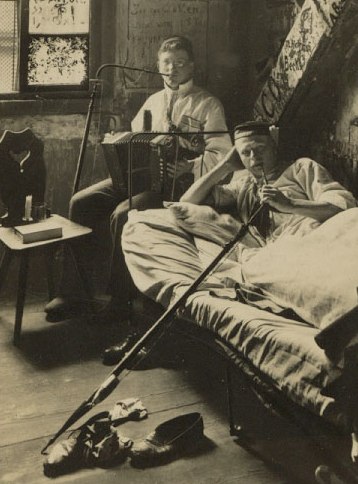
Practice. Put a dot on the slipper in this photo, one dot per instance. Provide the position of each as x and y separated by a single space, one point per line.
168 441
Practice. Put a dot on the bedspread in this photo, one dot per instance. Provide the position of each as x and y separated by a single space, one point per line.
164 259
315 275
282 349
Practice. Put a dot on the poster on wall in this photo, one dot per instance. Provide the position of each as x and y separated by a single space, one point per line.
60 17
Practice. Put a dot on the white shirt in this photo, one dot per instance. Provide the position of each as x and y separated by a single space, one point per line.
305 179
201 107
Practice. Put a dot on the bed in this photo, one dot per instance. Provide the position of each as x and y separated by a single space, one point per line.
279 355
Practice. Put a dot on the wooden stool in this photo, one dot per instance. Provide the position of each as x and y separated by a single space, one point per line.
13 245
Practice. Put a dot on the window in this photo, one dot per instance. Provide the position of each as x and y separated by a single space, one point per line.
8 45
44 45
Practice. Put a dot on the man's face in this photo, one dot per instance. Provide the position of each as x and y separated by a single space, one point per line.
177 64
258 154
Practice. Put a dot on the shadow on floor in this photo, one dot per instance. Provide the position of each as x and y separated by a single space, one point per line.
55 344
47 345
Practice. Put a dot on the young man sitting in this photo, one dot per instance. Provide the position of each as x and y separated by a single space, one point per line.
179 99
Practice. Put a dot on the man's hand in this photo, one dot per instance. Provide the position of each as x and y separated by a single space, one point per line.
320 211
182 166
275 198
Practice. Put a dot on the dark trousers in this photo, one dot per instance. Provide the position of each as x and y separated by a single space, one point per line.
104 209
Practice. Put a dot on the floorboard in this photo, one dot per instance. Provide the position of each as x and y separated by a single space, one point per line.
56 366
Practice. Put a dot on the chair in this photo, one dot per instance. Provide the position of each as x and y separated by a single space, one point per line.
22 172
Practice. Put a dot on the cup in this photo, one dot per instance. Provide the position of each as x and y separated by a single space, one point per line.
39 211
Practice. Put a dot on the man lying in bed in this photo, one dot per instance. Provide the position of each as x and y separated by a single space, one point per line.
296 197
316 278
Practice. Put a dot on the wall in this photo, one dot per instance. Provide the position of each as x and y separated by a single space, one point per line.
328 117
347 109
339 142
242 40
218 29
269 23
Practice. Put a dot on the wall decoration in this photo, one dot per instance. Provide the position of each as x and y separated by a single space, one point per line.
314 25
57 60
58 17
55 49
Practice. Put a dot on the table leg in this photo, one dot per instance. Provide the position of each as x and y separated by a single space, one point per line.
21 293
4 264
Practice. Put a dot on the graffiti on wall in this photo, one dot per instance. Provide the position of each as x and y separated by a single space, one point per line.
58 16
330 10
58 43
150 22
314 23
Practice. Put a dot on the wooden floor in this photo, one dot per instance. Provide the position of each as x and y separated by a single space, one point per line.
58 365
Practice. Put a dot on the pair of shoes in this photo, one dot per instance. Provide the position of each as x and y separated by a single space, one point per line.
114 354
95 443
170 440
115 310
62 308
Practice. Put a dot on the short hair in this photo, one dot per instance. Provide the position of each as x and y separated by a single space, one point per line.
177 42
251 128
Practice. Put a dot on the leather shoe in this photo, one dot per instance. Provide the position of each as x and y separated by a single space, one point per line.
96 443
168 441
114 354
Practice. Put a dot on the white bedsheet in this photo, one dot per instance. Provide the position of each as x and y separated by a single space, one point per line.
315 275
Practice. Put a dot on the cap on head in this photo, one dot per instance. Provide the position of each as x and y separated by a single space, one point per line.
251 128
177 42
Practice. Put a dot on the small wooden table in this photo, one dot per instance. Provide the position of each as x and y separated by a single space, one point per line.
12 245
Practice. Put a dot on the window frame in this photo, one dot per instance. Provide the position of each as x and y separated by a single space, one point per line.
52 97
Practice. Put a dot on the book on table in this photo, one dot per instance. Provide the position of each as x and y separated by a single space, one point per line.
38 231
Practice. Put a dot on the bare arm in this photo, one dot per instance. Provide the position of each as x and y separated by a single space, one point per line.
320 211
317 210
201 189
